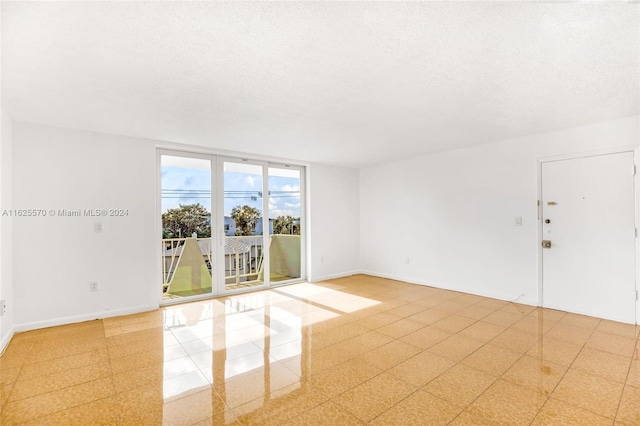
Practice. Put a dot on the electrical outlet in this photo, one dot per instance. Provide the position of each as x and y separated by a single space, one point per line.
93 285
321 259
407 260
97 227
3 307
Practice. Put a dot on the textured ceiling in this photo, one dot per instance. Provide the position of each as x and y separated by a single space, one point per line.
332 82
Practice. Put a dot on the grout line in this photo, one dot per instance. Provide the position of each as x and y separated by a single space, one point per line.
565 373
635 349
111 375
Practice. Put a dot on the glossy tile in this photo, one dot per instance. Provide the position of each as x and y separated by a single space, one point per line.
344 376
425 337
629 409
506 403
535 323
476 312
556 412
8 375
583 321
612 343
193 408
366 342
328 414
595 394
491 360
633 379
353 350
570 333
283 405
400 328
100 412
460 385
420 408
503 318
456 347
421 369
482 331
389 355
518 308
44 351
157 333
453 323
406 310
5 391
535 373
429 316
376 321
140 377
618 328
609 366
515 340
36 386
467 419
366 401
147 359
52 402
141 406
555 350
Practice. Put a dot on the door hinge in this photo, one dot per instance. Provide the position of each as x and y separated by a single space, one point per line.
636 295
634 170
538 209
636 232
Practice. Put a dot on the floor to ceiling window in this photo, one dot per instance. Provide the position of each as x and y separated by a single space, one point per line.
187 258
229 224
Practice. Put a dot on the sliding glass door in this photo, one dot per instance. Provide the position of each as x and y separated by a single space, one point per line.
188 258
244 242
285 241
228 224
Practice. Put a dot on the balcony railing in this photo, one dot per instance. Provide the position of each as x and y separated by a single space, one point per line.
187 262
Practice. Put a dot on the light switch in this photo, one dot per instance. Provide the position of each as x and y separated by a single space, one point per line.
97 227
518 220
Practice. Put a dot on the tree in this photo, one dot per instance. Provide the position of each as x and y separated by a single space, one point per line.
246 218
183 221
286 225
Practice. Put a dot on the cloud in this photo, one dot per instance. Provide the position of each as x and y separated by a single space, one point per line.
250 180
278 212
290 187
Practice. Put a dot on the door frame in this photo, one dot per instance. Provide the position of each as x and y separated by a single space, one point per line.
574 156
220 221
303 221
217 171
214 192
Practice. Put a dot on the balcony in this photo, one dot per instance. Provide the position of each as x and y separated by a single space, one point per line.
187 263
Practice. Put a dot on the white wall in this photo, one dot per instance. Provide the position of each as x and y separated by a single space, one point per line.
6 258
334 222
452 214
56 257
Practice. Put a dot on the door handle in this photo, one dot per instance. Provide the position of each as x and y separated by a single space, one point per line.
546 244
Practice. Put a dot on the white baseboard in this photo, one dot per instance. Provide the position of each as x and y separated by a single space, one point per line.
314 279
462 289
4 341
591 314
84 317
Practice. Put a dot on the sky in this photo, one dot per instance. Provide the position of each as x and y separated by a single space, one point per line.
188 181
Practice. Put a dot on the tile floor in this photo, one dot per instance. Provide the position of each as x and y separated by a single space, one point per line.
356 350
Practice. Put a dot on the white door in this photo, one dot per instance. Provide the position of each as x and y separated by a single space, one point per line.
588 209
